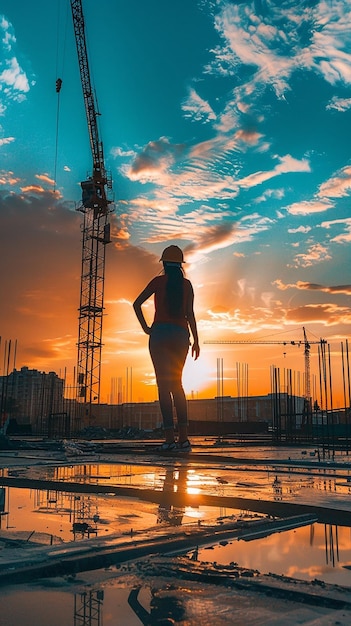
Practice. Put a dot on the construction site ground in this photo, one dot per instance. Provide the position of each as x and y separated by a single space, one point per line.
157 574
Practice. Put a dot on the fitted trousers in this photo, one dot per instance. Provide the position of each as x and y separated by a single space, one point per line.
169 345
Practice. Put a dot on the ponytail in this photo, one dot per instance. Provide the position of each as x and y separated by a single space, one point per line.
174 289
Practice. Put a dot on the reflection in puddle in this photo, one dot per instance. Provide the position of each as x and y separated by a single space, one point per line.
64 517
110 605
49 517
57 607
294 484
97 598
312 552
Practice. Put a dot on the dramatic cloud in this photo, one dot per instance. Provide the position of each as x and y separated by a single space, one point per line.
326 314
307 207
338 186
36 189
299 229
197 109
8 178
342 224
345 289
315 254
255 35
154 160
286 164
215 238
14 83
339 104
45 178
6 32
6 140
119 152
13 79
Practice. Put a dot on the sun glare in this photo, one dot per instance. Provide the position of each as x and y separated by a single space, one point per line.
196 374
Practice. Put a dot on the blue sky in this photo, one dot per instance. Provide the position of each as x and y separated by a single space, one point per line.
226 127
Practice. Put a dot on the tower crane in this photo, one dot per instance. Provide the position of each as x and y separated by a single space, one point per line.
95 207
307 347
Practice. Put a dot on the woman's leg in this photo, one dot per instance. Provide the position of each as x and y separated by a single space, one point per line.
160 355
179 353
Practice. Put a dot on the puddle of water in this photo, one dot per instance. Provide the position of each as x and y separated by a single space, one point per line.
52 513
308 553
304 553
113 606
55 607
315 551
297 485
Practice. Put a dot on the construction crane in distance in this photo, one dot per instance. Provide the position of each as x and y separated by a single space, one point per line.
96 210
299 342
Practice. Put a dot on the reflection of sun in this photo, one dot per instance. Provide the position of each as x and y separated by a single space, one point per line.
196 374
193 483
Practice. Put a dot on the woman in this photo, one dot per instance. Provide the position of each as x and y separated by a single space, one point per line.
169 342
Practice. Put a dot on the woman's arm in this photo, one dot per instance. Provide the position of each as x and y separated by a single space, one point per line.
142 297
195 348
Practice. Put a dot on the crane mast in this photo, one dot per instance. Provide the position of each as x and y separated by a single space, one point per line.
307 348
95 235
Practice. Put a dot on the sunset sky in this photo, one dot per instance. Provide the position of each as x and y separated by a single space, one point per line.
227 130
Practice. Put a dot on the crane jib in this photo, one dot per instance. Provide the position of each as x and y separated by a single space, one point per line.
89 101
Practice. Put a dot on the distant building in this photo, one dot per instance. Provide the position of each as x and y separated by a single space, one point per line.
224 414
139 415
30 396
37 399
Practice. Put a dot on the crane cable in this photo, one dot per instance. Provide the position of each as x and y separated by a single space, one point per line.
59 83
58 89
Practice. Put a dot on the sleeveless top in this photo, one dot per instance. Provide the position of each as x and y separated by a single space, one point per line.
158 286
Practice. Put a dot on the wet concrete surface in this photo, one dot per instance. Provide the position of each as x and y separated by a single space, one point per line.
101 552
246 596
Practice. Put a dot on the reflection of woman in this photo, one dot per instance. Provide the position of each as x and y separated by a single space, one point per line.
175 482
165 609
169 341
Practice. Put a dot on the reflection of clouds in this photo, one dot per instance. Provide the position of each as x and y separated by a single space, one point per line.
299 553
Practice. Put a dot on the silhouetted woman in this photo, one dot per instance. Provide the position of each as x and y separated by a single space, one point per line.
169 341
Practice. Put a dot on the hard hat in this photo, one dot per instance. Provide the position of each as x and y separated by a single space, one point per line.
172 254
